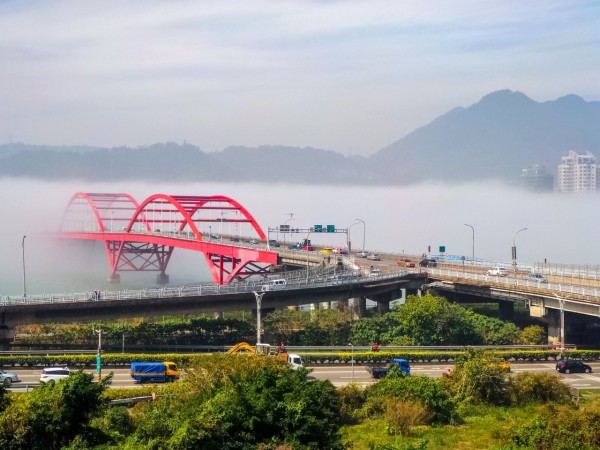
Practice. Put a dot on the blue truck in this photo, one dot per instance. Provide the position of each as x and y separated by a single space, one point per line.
157 372
380 371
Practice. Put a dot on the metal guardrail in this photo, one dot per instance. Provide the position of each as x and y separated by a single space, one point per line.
508 281
311 280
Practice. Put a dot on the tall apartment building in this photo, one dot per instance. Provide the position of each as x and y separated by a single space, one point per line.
537 178
578 172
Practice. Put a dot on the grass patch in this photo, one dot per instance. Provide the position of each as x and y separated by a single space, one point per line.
483 428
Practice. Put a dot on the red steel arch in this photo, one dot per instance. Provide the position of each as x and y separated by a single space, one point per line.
145 244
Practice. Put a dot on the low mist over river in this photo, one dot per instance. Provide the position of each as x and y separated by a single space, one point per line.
561 228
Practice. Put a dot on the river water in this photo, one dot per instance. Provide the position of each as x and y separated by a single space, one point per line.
560 228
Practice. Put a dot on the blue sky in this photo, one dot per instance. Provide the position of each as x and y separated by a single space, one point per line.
349 76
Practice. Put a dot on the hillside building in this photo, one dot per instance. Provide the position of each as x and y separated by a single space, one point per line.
578 172
537 178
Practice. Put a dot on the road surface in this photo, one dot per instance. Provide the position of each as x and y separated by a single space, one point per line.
341 375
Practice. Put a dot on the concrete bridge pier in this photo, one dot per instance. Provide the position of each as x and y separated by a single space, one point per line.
553 319
162 279
361 303
506 310
7 335
114 278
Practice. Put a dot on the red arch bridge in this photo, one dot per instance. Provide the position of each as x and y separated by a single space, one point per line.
142 236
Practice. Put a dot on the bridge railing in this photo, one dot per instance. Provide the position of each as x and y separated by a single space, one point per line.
320 279
510 281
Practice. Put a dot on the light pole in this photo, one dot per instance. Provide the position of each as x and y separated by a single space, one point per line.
514 249
352 359
99 355
258 303
561 301
306 246
473 230
348 241
285 227
24 284
364 232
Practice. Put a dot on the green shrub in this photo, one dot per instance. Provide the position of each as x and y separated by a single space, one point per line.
558 428
541 387
421 389
402 416
352 399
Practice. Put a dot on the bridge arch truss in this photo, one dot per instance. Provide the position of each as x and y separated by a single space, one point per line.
142 236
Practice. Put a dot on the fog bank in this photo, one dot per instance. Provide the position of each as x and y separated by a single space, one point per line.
560 228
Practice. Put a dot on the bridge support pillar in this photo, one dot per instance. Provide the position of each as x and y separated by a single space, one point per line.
7 335
361 302
114 278
553 319
506 310
162 279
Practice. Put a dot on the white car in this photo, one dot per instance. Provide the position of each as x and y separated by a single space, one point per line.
537 278
8 378
498 272
54 374
373 257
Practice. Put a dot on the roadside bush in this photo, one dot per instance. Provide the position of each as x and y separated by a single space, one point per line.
352 399
558 428
529 387
479 377
420 389
402 416
533 335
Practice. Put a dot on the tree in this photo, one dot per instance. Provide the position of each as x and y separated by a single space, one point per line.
479 378
533 335
53 414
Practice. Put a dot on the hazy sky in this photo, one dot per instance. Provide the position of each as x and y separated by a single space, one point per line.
350 76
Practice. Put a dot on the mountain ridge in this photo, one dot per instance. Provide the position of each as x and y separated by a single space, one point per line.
495 138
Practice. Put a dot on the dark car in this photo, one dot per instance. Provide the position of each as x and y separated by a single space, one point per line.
572 366
428 263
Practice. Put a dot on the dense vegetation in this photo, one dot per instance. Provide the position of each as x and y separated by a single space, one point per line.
240 402
426 320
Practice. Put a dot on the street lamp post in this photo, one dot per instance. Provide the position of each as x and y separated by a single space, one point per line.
285 227
364 232
99 355
514 249
258 304
473 241
306 248
352 359
561 301
348 238
24 284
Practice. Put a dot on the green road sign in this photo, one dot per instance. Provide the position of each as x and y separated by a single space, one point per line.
318 228
331 228
442 249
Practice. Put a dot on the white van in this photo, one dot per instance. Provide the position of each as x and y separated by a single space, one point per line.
294 361
274 285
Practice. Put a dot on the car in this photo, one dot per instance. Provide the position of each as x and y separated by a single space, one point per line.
375 270
8 378
373 257
498 271
54 374
406 263
428 262
572 366
362 254
537 277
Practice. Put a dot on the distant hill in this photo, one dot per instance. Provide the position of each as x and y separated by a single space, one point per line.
493 139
